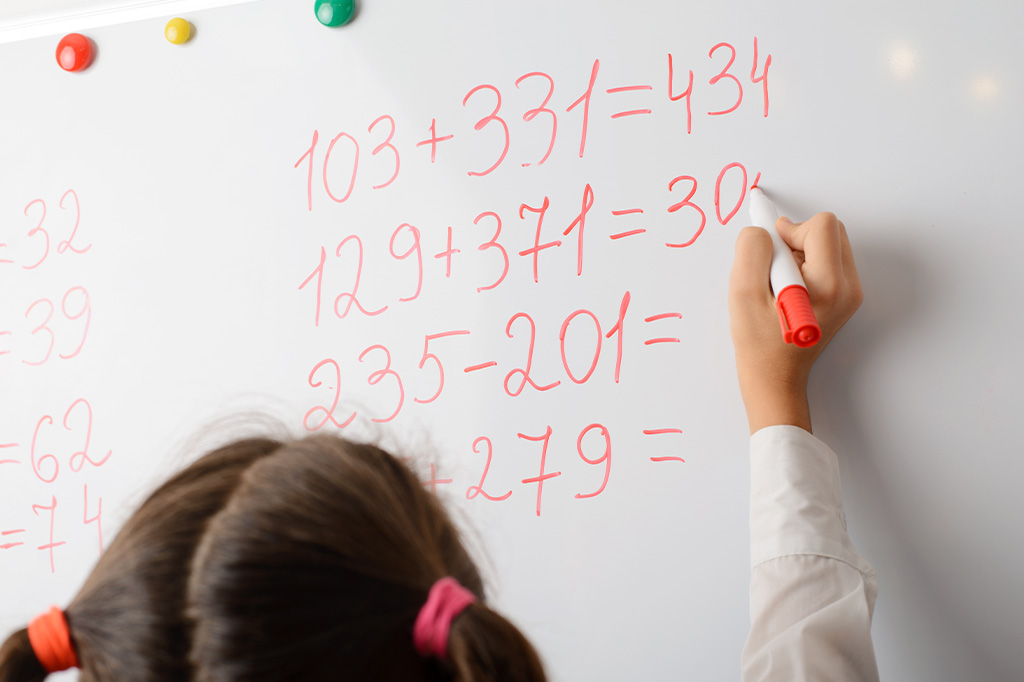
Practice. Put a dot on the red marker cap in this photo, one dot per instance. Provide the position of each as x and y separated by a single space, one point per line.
74 52
799 326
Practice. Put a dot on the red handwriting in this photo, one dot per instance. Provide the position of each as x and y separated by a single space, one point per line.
49 546
95 519
486 120
4 446
606 458
386 144
66 244
478 489
328 412
355 168
433 140
584 99
482 365
762 79
718 191
542 109
631 232
579 223
54 327
661 432
414 249
618 329
43 237
84 311
492 128
597 346
75 305
37 462
537 246
377 376
435 481
685 94
542 476
318 273
493 244
350 173
350 296
686 202
725 74
525 372
376 271
447 255
427 355
81 457
46 466
656 318
10 545
629 88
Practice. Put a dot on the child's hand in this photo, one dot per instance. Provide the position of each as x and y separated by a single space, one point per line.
773 374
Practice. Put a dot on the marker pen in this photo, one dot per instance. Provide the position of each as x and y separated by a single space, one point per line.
796 317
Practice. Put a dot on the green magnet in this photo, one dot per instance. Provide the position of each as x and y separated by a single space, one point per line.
335 12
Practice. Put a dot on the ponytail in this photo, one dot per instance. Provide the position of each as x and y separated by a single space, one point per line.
484 646
18 662
128 622
265 561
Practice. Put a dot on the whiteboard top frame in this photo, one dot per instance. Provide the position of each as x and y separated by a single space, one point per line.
80 15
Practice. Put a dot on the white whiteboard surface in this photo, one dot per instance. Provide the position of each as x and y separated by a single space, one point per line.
23 19
902 118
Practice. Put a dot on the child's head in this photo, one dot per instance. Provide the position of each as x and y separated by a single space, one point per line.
264 560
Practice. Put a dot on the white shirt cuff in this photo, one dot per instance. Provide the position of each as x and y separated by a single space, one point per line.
796 503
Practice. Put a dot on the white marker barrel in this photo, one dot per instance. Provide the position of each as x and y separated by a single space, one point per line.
796 317
784 272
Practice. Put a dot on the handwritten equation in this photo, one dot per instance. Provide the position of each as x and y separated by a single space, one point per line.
47 455
412 260
492 130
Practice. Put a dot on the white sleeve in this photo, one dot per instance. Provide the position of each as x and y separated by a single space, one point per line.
811 593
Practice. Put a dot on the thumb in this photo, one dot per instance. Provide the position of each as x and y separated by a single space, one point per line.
792 233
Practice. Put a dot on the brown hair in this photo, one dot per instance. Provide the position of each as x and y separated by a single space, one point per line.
264 560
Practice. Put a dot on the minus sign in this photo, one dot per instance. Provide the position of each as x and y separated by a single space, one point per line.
473 368
627 234
668 459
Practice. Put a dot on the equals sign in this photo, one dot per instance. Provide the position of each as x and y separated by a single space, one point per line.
8 461
661 432
9 545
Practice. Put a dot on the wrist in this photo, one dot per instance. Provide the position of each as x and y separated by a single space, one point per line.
777 404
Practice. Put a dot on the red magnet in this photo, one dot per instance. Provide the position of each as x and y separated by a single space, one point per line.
74 52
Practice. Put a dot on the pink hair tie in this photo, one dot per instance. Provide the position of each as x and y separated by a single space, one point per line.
51 641
447 599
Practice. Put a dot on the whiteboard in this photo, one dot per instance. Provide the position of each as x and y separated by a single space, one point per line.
22 19
190 230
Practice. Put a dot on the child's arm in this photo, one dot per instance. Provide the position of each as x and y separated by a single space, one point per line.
811 593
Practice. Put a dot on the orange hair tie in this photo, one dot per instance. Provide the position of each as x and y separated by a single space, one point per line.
51 641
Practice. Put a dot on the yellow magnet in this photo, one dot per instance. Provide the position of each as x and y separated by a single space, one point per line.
178 31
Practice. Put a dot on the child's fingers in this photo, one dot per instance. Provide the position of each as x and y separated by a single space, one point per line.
849 267
821 241
748 281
